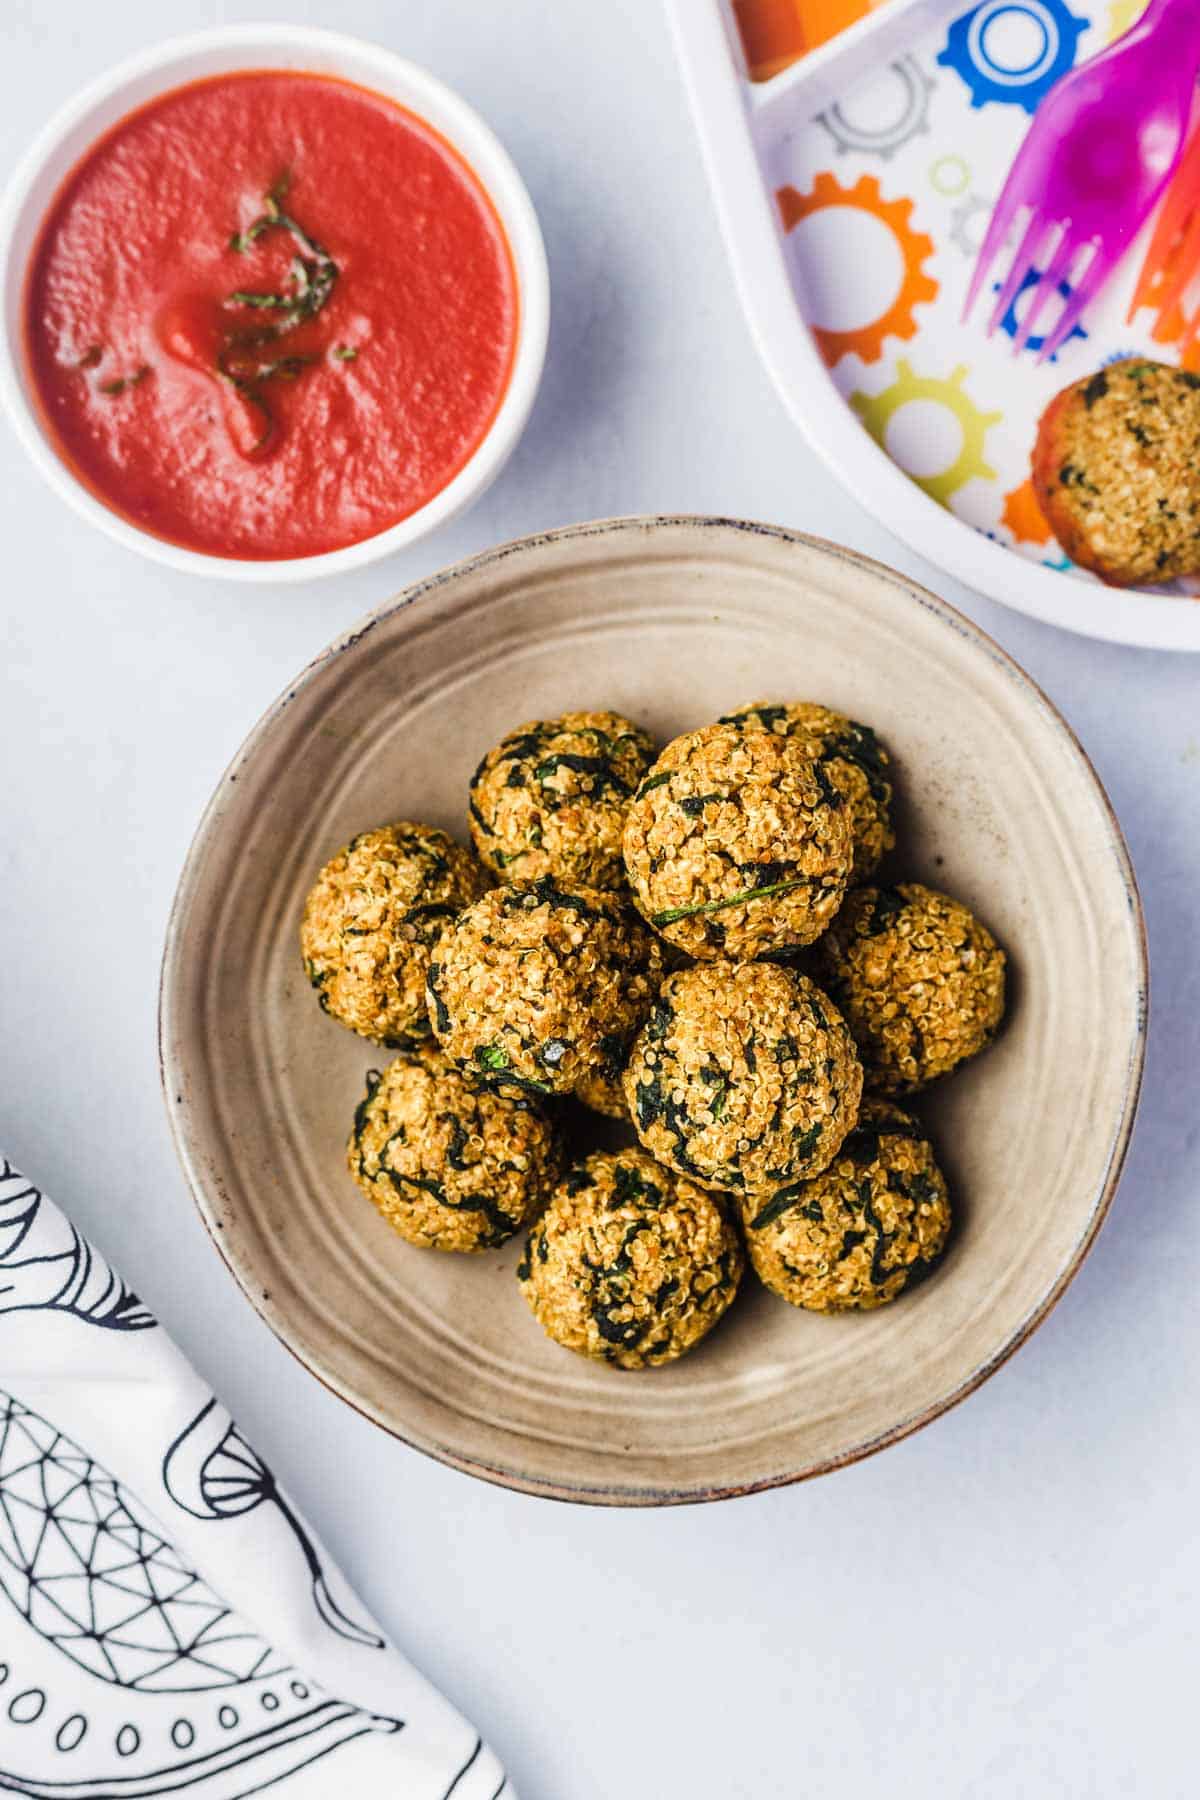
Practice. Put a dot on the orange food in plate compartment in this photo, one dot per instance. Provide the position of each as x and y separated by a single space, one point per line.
776 33
269 315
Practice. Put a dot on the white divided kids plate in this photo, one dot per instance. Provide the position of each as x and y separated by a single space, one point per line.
853 190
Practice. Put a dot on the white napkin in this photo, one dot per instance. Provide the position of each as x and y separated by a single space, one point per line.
169 1625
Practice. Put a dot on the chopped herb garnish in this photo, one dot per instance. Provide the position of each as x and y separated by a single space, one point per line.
714 906
311 281
123 382
313 271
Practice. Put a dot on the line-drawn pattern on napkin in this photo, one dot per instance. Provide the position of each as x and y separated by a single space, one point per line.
96 1580
232 1770
65 1275
88 1571
466 1783
999 73
213 1473
898 127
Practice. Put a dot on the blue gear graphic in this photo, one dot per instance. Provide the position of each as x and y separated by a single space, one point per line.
1011 322
990 82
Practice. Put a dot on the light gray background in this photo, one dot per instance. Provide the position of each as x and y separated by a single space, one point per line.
1004 1605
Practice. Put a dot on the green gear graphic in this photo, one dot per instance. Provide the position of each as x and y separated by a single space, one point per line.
878 410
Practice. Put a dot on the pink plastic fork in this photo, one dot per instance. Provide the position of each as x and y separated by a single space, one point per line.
1101 150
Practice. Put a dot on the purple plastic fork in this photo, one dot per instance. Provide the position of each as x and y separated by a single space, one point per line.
1101 150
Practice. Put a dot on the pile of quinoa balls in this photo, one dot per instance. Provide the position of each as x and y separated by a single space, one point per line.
689 940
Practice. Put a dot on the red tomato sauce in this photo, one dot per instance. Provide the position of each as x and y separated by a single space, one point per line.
270 315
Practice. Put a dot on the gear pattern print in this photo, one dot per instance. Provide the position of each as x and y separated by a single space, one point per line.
883 201
140 1536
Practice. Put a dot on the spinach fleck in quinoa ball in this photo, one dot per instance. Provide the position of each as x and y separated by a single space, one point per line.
371 920
550 799
449 1164
853 756
743 1077
629 1263
869 1226
737 844
920 980
539 987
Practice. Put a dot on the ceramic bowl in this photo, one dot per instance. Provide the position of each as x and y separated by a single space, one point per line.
671 621
221 51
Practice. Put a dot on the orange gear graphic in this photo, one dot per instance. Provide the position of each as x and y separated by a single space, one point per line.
1024 517
917 287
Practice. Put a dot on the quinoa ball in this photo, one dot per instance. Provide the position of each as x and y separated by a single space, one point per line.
853 756
737 844
370 923
920 980
449 1164
539 987
743 1077
1116 471
550 798
629 1263
870 1225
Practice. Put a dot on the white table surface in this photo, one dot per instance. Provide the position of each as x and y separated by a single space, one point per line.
1004 1605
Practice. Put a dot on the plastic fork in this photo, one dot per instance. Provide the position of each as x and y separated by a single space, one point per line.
1103 146
1173 259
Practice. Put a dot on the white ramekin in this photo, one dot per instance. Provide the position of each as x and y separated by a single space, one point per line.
140 79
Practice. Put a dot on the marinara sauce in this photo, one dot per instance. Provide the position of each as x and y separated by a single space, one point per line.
269 315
